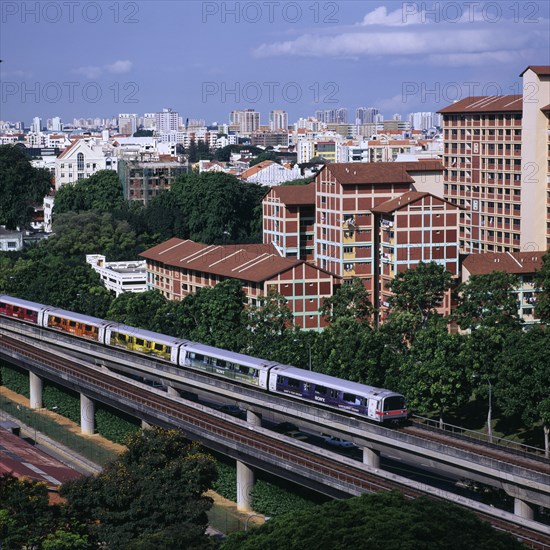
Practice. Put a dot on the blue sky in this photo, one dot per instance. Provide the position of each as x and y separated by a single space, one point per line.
205 59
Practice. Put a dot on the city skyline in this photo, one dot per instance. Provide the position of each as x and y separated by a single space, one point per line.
211 58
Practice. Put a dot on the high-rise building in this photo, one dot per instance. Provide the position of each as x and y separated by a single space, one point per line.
167 121
278 120
150 121
127 123
497 166
247 120
364 115
36 125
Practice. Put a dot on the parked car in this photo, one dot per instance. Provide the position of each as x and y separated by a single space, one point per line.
285 427
338 442
233 410
297 434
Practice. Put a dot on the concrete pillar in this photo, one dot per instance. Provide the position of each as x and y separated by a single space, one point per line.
245 483
371 457
523 509
173 391
87 415
35 383
253 418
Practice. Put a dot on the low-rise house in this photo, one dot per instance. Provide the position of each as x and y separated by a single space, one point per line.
119 277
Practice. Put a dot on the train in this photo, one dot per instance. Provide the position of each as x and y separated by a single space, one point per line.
375 404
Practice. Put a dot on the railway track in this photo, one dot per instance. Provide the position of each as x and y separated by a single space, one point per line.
213 424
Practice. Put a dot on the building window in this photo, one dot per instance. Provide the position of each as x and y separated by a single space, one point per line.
80 162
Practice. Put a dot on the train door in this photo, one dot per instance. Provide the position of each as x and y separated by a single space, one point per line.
371 412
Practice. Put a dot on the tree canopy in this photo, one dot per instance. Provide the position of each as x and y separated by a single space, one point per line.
542 278
382 520
151 496
21 186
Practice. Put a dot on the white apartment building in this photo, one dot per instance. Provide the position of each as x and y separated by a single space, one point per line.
119 277
167 121
127 123
247 120
82 158
278 120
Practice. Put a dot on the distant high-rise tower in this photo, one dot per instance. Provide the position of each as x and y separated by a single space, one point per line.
127 123
278 120
364 115
167 121
36 125
248 120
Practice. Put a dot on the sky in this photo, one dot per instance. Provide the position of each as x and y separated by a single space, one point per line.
204 59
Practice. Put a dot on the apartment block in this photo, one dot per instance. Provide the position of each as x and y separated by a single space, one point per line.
496 155
288 220
180 267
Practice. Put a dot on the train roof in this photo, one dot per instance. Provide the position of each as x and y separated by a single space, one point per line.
147 334
79 317
332 382
23 303
232 356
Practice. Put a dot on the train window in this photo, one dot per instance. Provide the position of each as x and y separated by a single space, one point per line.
121 337
321 390
333 394
72 323
139 342
87 327
158 347
307 386
293 383
15 308
348 397
29 312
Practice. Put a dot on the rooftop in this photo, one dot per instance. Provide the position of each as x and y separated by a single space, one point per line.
295 195
249 262
486 104
404 200
509 262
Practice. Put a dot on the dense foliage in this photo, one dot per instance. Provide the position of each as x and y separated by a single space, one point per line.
383 520
21 187
152 494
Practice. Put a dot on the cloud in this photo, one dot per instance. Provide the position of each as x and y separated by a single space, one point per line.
406 35
119 67
92 71
89 71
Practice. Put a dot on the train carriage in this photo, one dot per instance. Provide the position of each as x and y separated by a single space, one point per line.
24 310
376 404
84 326
143 341
235 366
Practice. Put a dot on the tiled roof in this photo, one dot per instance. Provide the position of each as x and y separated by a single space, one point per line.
404 200
296 195
510 262
541 70
486 104
380 172
546 109
249 262
256 168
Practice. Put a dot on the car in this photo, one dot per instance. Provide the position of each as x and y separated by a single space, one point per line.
297 434
338 442
285 427
232 410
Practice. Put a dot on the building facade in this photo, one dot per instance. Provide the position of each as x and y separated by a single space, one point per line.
119 277
496 155
179 267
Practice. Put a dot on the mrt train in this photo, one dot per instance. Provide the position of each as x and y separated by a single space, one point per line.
376 404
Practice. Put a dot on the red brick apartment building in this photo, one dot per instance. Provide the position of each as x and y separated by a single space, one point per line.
179 267
372 221
497 160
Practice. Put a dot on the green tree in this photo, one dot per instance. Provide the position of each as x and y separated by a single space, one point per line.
268 324
380 520
215 315
301 181
542 279
143 133
21 186
154 487
101 192
350 301
147 310
524 379
433 374
488 300
192 152
419 292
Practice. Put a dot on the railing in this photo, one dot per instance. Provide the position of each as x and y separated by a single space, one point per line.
514 446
